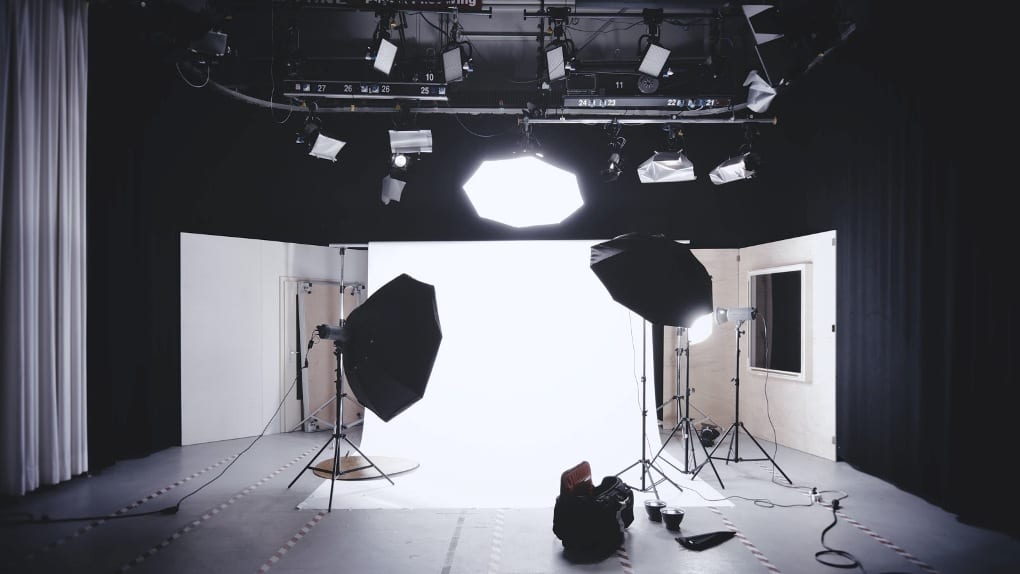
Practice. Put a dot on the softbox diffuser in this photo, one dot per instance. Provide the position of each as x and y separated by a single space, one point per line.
394 339
655 277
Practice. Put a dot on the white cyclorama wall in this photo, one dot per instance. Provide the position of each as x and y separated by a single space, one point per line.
538 368
231 327
803 411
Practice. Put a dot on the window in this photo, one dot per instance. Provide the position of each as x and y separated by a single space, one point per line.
777 334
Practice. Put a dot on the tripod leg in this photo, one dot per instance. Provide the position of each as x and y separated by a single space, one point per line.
671 464
711 455
666 478
665 442
689 453
336 471
708 459
379 470
772 460
329 440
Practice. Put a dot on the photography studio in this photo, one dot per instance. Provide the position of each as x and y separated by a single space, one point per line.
505 287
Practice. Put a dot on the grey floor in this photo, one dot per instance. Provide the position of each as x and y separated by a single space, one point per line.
247 522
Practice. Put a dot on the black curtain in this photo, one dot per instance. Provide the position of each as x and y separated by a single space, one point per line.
134 397
925 313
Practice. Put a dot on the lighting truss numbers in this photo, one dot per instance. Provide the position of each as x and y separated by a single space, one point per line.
596 102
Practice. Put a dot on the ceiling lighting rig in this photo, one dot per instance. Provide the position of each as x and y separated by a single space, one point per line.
414 62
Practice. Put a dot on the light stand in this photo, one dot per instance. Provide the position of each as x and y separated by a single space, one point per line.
733 454
647 480
684 423
337 436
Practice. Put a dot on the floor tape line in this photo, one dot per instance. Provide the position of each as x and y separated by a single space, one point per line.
888 544
453 544
96 523
747 543
212 512
496 546
292 542
624 558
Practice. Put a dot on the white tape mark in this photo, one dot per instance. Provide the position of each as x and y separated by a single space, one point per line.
212 512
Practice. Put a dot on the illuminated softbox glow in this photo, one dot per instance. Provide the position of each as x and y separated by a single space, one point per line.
523 191
701 329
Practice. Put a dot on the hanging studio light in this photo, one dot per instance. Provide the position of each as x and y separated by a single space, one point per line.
654 60
523 191
319 144
385 54
410 141
666 167
734 169
392 189
453 64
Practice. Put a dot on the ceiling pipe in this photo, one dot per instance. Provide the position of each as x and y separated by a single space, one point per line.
562 115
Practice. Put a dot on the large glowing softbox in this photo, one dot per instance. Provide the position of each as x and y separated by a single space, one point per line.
390 345
655 277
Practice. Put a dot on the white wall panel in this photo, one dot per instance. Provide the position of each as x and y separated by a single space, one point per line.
231 323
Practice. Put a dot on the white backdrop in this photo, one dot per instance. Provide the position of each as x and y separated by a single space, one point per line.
538 370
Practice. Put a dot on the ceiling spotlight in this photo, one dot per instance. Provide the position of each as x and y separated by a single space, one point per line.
614 164
319 144
666 167
410 141
326 147
743 166
455 65
733 169
614 168
559 60
392 189
400 161
212 43
654 58
385 54
554 58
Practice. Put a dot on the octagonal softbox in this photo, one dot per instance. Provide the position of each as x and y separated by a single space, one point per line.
392 340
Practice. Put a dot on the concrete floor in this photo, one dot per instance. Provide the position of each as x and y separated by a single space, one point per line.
246 522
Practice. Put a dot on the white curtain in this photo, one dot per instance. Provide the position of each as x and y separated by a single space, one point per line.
43 79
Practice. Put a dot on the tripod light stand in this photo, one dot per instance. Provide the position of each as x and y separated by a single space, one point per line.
665 284
339 433
740 314
684 424
386 349
647 480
